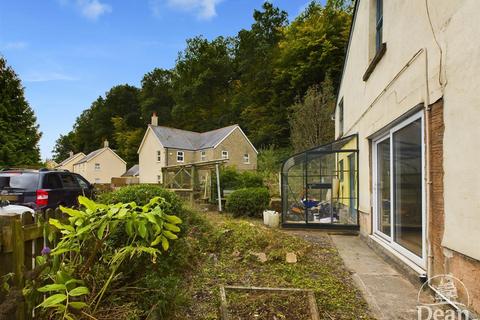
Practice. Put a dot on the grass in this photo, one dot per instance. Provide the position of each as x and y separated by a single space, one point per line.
228 257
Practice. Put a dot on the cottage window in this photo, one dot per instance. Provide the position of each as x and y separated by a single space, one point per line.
379 25
246 158
97 166
340 118
224 154
180 156
159 179
203 155
159 156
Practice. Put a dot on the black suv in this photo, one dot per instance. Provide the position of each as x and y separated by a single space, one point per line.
43 189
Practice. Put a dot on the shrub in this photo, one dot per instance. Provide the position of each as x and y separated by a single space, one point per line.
141 195
231 179
248 202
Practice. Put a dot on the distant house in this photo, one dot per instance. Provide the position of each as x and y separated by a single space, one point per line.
101 165
68 163
164 146
134 171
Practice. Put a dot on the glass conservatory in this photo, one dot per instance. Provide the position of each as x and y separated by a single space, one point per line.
320 186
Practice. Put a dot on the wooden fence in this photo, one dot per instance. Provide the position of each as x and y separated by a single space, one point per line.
21 240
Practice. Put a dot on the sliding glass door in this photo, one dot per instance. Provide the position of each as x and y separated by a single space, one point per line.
398 188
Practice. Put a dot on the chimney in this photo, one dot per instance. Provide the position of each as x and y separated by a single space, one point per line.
70 154
105 143
154 119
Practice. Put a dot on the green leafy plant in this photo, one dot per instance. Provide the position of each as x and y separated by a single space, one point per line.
248 202
86 244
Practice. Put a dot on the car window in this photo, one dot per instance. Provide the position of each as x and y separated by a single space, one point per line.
68 181
83 183
52 181
18 180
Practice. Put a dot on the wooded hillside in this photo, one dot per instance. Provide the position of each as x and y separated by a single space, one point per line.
252 79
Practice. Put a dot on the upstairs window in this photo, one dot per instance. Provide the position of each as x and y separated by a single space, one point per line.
159 156
180 156
378 25
340 118
246 158
97 166
224 154
203 156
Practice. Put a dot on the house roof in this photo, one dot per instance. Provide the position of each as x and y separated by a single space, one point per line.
132 172
95 153
64 162
189 140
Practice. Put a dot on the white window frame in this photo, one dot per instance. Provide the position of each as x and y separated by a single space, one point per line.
389 240
159 156
203 155
97 167
246 158
182 155
224 154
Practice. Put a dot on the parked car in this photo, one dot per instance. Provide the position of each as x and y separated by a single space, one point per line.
43 189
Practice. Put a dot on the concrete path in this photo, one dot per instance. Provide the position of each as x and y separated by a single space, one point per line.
389 294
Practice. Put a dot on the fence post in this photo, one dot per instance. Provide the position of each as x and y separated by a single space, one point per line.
18 261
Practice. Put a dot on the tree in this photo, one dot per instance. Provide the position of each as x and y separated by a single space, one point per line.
156 95
127 140
19 134
63 146
311 121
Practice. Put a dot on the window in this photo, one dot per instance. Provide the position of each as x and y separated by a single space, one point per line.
159 179
398 188
97 166
97 180
378 26
340 170
203 156
159 156
82 182
180 156
246 158
68 181
340 118
224 154
52 181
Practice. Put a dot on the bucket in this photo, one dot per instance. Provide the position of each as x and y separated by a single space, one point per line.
274 219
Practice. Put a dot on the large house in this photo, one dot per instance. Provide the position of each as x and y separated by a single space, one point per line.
163 146
101 165
410 93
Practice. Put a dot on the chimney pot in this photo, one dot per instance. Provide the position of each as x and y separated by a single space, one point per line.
70 154
154 119
105 143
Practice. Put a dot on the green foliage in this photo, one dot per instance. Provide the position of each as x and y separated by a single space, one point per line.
232 179
251 79
141 194
89 243
19 135
248 202
311 118
270 159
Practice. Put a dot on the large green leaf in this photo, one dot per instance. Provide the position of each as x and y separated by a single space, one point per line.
87 203
165 243
171 227
53 300
52 287
142 229
173 219
169 235
78 291
77 305
72 212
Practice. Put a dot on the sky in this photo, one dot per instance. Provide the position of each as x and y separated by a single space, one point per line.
69 52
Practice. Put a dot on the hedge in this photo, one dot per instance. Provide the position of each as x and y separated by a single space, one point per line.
248 202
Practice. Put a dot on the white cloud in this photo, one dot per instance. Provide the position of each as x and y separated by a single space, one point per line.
15 45
92 9
203 9
47 76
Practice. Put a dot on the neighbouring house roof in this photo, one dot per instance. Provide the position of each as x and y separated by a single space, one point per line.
132 172
189 140
64 162
95 153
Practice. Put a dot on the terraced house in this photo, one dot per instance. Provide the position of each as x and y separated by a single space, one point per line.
163 147
409 92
